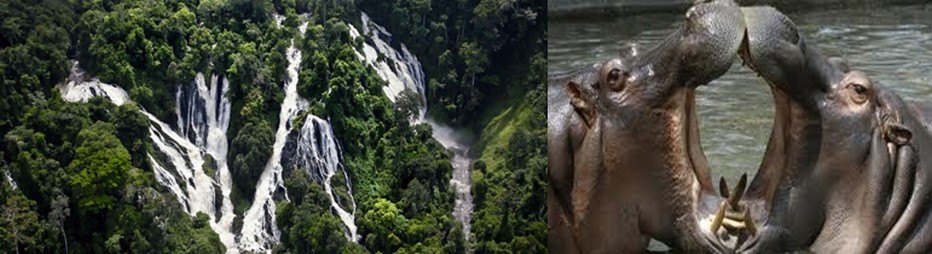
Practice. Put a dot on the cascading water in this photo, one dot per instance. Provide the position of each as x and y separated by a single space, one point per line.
402 71
205 121
81 88
9 179
259 229
203 111
204 115
309 150
317 151
461 182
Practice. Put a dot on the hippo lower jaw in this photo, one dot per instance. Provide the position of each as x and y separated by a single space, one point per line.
718 46
696 169
772 49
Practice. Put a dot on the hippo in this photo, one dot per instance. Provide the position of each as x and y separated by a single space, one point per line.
625 164
848 167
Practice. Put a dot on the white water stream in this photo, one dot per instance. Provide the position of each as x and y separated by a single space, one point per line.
259 229
403 71
203 113
318 152
203 124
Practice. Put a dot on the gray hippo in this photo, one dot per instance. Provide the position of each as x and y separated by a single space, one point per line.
847 168
625 164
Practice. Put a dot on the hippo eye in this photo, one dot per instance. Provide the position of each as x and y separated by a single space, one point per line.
614 75
616 79
859 89
860 95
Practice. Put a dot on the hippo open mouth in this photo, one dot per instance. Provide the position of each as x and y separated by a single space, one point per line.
625 162
840 172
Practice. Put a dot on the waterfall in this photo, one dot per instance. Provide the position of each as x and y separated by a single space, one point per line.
401 70
318 152
461 181
80 88
9 179
204 115
314 147
259 230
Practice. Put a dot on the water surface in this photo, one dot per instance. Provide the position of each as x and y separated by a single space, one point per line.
893 45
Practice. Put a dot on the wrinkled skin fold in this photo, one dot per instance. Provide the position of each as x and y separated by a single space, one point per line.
847 168
625 163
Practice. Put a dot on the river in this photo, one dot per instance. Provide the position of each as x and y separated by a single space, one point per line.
893 45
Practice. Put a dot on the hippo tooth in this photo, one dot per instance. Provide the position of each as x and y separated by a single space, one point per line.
749 223
739 190
719 216
723 187
891 149
732 225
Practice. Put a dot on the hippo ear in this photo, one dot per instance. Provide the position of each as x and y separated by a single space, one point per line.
897 133
581 103
630 50
839 63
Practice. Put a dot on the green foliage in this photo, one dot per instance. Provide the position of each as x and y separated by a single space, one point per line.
71 165
306 223
19 220
33 52
471 51
383 220
99 167
509 180
485 65
252 147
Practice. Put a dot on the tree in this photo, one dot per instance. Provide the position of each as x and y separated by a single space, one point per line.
60 211
252 147
99 167
382 223
19 219
409 104
415 198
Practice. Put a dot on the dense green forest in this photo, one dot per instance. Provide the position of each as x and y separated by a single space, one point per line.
83 182
485 63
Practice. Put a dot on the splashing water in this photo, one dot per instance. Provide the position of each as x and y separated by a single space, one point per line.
203 120
318 152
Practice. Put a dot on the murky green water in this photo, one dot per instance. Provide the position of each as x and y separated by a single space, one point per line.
893 45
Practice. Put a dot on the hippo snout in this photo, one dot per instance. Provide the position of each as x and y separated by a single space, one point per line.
714 32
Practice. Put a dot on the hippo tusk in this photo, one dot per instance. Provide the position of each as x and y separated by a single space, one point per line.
749 223
723 187
719 217
891 151
739 191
